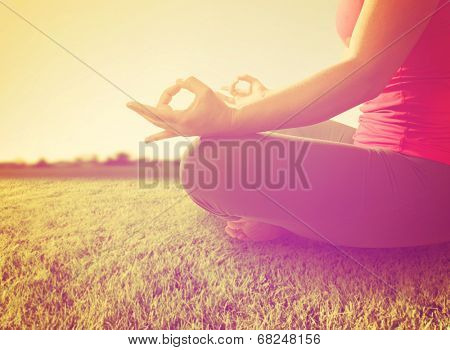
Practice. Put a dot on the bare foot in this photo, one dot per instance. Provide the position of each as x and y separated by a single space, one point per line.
250 230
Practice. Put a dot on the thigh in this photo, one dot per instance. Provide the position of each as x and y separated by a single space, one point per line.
334 192
329 130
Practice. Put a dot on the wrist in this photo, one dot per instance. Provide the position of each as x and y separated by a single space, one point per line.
237 121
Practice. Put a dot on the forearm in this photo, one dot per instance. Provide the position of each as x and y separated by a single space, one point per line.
312 100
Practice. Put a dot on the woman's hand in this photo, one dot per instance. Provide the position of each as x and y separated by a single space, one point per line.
208 114
240 98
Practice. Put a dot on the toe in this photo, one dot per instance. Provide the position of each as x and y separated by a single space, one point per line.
235 224
230 232
236 233
241 235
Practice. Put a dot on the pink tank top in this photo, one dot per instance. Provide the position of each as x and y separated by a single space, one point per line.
412 113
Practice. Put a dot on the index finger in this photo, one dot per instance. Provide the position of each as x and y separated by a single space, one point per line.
193 85
167 95
248 78
235 92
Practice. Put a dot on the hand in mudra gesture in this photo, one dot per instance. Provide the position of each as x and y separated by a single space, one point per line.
208 114
211 113
255 92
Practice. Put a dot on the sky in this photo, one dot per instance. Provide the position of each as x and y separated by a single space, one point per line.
53 106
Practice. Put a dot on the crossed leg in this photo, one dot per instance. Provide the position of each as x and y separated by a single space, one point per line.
341 193
248 229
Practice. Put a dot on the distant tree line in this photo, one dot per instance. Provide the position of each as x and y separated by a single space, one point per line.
120 159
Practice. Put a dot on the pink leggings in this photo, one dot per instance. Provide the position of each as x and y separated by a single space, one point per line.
314 182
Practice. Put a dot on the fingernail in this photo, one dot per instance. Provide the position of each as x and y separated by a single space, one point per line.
132 105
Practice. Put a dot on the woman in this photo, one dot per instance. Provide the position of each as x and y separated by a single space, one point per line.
387 184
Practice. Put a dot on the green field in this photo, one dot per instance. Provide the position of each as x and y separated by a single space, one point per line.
94 254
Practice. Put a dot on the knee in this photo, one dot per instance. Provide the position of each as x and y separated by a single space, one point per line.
203 174
224 166
198 171
202 165
189 164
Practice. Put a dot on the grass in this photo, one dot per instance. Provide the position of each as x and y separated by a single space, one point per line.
90 254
